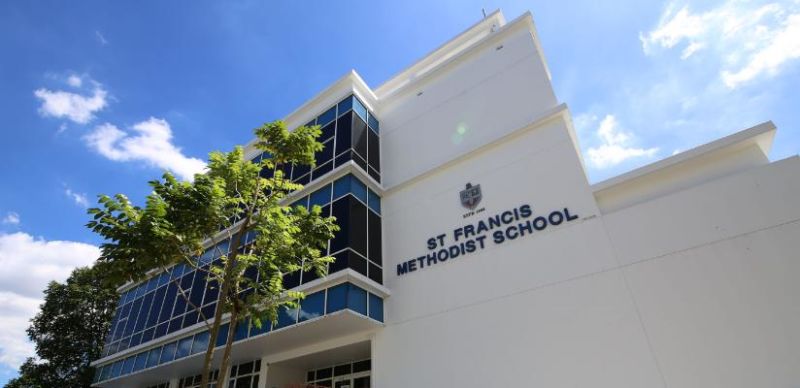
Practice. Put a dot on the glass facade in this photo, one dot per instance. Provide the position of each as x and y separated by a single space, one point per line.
164 303
324 302
345 373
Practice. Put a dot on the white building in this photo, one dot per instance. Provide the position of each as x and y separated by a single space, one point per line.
492 262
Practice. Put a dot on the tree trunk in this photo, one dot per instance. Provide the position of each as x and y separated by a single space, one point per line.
226 357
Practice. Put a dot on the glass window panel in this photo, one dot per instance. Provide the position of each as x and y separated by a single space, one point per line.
152 284
337 298
362 366
324 373
303 179
163 278
140 290
341 210
145 309
127 366
161 330
342 186
321 197
374 151
291 280
155 308
359 137
327 117
324 155
241 329
357 263
265 328
141 361
310 376
169 301
345 104
357 299
222 336
175 324
286 317
302 169
153 357
358 227
359 190
322 170
312 306
184 347
136 339
327 132
375 273
343 159
359 108
375 175
374 202
148 334
168 352
245 368
374 124
190 318
343 133
375 243
116 369
375 307
340 261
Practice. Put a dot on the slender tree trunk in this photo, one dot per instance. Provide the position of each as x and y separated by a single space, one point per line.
226 357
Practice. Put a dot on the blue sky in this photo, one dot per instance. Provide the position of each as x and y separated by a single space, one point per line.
99 97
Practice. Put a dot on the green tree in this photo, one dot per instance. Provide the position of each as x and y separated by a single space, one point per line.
68 332
182 219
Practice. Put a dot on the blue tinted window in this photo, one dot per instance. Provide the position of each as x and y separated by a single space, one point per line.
168 354
359 108
345 105
357 299
104 373
152 284
265 327
177 270
359 189
374 124
127 366
222 336
375 307
140 290
241 329
321 197
312 306
374 202
337 298
153 357
286 317
200 343
184 347
327 117
342 186
141 361
163 278
116 369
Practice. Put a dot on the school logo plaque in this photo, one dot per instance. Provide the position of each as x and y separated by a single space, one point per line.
471 196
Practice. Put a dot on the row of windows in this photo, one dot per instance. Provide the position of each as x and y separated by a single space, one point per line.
336 298
244 375
349 132
323 377
156 307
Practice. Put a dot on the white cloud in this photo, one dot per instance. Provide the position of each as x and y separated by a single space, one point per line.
100 38
11 218
40 261
73 106
74 81
614 147
746 39
149 141
79 198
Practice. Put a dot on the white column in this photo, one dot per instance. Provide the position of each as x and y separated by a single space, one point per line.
262 374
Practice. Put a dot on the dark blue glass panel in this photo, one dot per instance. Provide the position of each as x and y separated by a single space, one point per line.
145 309
337 298
184 347
312 306
140 290
327 117
359 190
374 124
345 105
141 361
286 317
200 343
342 186
241 329
357 299
116 369
153 357
344 126
163 278
375 307
158 300
359 108
222 335
152 284
374 202
265 328
127 366
168 353
321 197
